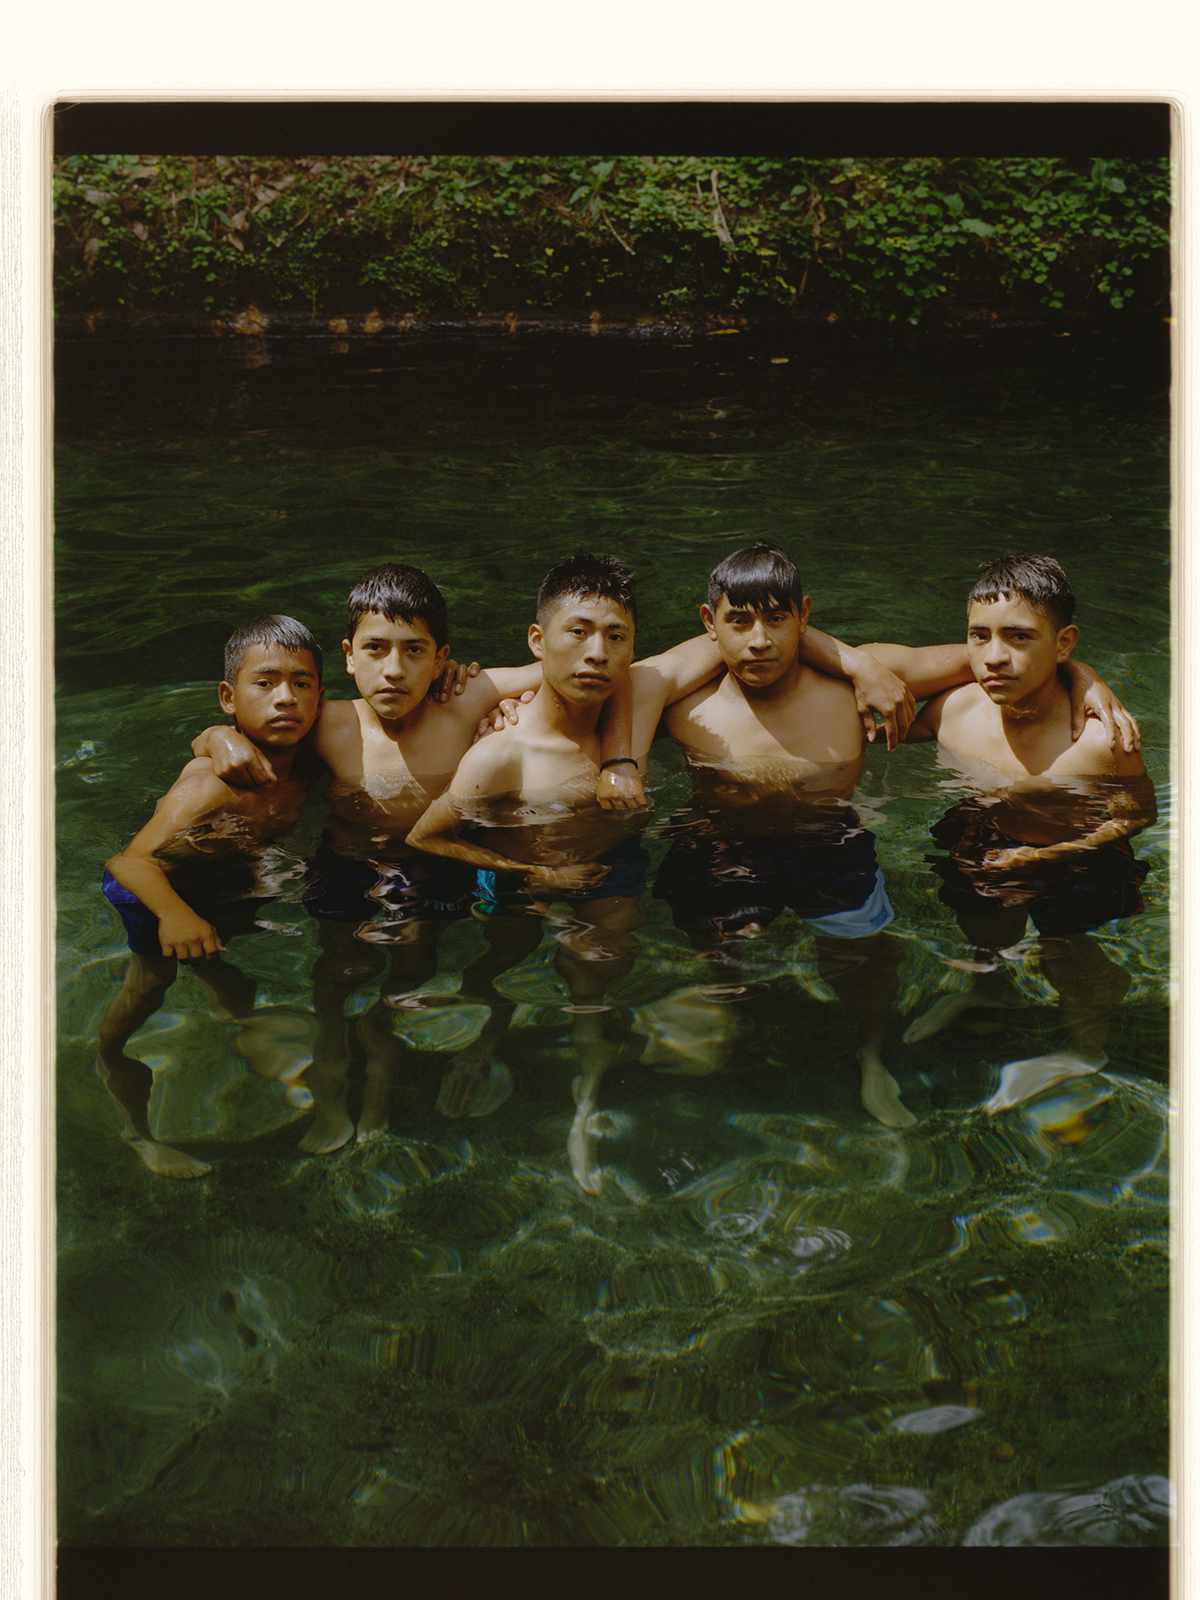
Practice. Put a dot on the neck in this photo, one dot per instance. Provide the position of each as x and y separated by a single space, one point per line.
1035 707
281 760
563 716
395 726
768 693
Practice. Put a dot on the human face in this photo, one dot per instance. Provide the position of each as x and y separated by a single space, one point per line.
758 646
393 664
585 647
276 697
1013 650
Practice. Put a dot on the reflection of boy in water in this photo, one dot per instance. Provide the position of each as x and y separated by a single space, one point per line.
1051 845
181 886
776 750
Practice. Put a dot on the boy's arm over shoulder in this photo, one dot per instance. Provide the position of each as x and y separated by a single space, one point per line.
1092 698
239 762
664 680
679 671
925 669
619 786
484 692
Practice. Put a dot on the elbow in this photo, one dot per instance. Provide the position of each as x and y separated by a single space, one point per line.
420 838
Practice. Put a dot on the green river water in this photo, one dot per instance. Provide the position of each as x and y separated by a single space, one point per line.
779 1322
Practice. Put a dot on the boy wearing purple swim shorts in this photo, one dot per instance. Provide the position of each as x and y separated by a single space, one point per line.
192 876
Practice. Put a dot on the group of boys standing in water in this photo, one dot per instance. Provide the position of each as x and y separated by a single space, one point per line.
537 824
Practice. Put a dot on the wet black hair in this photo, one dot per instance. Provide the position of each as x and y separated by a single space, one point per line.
584 574
273 628
1038 580
401 594
759 576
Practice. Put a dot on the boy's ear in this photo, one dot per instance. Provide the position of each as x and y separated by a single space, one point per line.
1068 638
709 621
225 696
805 608
348 648
535 639
439 660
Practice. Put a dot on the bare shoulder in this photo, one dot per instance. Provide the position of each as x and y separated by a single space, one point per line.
199 783
493 766
816 686
684 711
337 724
1091 755
958 708
197 792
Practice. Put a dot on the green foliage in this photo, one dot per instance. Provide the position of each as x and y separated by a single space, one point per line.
709 236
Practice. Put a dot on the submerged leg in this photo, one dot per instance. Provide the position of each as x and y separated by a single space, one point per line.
862 973
277 1042
230 987
595 1054
476 1083
593 953
414 961
344 963
1090 987
128 1080
688 1032
991 990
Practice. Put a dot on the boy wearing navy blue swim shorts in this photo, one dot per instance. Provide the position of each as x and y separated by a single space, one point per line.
198 872
1043 833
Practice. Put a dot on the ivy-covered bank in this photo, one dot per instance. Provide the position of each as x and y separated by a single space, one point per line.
388 238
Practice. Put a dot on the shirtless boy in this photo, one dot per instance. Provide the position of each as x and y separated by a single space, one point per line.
181 886
1045 835
776 751
534 784
390 752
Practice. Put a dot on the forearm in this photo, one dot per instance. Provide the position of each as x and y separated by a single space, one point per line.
143 877
687 667
616 725
438 834
829 655
1123 823
1111 831
926 669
